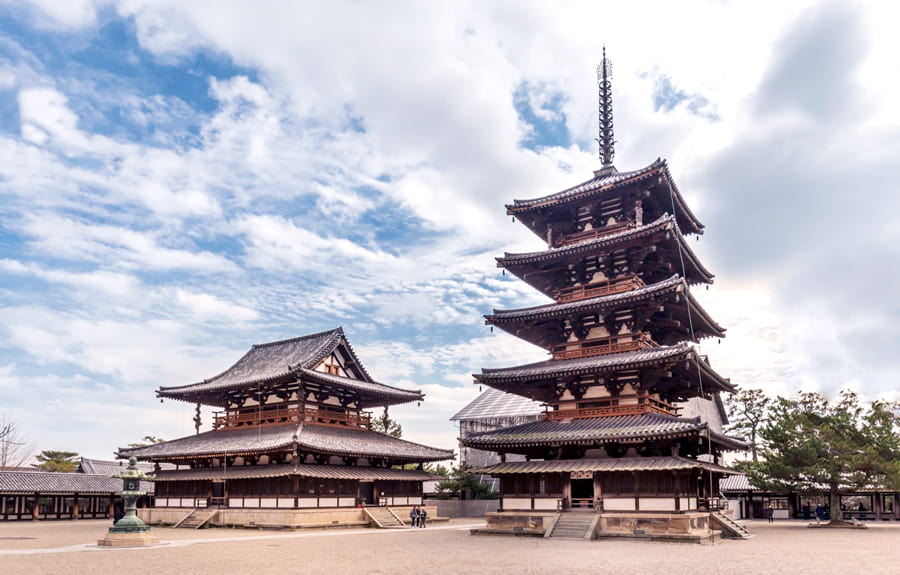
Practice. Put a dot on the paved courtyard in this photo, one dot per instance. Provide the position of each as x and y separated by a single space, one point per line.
64 547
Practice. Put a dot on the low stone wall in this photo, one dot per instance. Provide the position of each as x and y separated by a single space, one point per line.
467 508
517 522
275 518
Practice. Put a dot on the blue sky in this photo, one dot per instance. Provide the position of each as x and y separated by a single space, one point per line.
181 180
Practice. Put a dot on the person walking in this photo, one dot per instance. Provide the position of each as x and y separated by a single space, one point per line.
414 517
423 515
770 513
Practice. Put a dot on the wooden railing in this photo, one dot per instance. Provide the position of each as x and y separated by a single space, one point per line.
598 289
646 405
570 239
601 346
253 416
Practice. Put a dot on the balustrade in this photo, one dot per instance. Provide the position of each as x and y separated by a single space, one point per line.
578 237
602 346
291 414
598 289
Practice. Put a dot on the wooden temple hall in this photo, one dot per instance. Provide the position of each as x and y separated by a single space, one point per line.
292 443
613 454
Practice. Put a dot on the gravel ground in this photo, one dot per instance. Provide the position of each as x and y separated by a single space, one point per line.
64 547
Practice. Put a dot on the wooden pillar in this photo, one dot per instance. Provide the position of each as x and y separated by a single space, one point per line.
598 493
75 507
111 510
35 510
637 491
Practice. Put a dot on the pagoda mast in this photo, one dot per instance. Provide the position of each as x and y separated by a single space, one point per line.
606 139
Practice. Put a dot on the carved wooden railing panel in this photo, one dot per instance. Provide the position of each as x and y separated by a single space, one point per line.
647 405
601 346
577 237
291 414
598 289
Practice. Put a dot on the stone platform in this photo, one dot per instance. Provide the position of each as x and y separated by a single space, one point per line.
129 540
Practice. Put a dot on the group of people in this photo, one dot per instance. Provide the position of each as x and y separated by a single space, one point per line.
417 516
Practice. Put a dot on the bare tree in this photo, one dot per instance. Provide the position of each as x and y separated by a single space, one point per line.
15 449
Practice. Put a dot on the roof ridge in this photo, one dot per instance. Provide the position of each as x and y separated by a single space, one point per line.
338 329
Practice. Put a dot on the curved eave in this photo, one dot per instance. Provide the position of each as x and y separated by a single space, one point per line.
559 310
550 369
603 184
372 393
439 455
517 263
727 442
208 392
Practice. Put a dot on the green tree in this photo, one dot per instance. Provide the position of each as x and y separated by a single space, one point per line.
59 461
463 484
747 411
384 424
811 443
148 440
437 469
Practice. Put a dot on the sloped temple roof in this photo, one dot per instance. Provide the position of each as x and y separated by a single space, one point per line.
537 380
524 264
673 463
291 361
332 440
527 323
602 183
597 431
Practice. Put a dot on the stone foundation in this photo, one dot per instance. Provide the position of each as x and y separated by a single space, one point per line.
146 539
689 526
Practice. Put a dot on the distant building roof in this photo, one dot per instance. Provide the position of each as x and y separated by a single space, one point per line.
51 483
102 467
493 403
738 482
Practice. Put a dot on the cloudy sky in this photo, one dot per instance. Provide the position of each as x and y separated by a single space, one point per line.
180 180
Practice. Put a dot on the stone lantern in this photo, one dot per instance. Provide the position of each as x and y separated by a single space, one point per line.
130 531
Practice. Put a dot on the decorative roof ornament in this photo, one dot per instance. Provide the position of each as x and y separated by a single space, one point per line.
606 140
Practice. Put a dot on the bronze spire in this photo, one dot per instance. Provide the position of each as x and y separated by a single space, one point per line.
606 139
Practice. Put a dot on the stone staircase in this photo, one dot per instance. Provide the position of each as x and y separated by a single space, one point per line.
572 526
384 517
730 528
196 519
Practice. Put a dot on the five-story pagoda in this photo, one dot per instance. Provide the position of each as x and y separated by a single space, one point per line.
621 333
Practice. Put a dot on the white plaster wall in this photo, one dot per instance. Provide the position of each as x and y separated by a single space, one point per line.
618 503
516 503
657 503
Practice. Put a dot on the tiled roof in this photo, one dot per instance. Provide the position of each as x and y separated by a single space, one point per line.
303 470
101 467
674 283
665 222
626 428
60 483
494 403
362 443
219 442
585 365
737 482
265 362
346 441
603 181
394 394
672 463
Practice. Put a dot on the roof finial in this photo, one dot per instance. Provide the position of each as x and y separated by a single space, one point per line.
606 140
